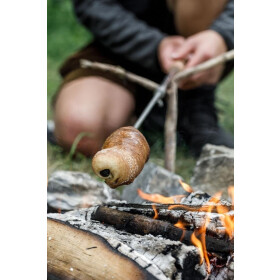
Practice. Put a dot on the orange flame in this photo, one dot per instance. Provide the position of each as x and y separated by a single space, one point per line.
214 199
227 221
158 198
185 186
156 212
181 225
201 244
198 238
203 208
196 242
231 194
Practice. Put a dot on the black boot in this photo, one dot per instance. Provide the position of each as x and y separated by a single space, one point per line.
198 122
50 132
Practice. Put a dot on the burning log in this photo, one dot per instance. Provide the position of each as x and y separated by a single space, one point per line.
79 248
139 224
127 235
189 215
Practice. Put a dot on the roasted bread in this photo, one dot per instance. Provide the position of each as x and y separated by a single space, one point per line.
122 157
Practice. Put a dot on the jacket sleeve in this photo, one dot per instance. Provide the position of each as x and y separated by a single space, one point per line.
120 31
224 24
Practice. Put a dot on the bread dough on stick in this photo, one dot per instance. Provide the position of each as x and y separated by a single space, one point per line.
122 158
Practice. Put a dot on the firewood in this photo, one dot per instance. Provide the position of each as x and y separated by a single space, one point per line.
140 224
81 248
77 254
193 217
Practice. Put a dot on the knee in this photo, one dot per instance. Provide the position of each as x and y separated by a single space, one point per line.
80 109
70 125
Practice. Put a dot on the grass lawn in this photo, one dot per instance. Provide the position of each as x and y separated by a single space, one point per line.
65 35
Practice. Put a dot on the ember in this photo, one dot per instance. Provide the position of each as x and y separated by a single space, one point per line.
198 237
231 193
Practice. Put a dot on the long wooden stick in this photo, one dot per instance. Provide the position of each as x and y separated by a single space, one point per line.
121 72
182 75
172 110
170 129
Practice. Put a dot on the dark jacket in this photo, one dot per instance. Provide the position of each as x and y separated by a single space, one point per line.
133 29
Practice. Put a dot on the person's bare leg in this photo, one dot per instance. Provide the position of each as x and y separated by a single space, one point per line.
94 105
192 16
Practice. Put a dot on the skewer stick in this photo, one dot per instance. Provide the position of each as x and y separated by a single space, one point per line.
182 75
172 110
170 129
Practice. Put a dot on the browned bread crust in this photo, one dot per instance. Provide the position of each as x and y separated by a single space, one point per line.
122 157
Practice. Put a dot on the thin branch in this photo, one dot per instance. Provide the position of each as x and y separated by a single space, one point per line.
170 128
121 72
182 75
172 110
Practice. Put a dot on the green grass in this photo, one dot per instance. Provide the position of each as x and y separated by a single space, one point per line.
65 36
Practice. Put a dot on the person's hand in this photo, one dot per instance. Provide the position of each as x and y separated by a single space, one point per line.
197 49
167 47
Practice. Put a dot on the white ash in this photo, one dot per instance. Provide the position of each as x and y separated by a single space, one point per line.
145 250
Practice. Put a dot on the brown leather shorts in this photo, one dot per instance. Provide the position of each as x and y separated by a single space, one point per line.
72 70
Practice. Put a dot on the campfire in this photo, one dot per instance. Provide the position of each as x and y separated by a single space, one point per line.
198 237
189 235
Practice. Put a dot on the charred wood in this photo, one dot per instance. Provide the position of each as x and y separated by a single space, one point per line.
79 248
139 224
192 219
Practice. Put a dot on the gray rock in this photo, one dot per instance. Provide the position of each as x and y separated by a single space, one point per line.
214 170
69 190
153 179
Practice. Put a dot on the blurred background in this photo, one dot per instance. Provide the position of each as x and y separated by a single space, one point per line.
65 36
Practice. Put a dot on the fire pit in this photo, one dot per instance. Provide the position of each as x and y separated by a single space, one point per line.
172 234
